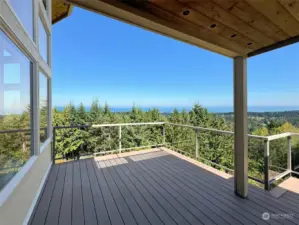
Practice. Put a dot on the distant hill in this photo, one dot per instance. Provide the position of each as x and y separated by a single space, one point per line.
259 119
286 114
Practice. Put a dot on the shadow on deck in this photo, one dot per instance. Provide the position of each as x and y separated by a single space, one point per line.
154 187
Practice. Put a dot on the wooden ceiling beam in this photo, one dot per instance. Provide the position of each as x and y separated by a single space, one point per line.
188 14
249 15
275 12
292 6
217 13
195 30
277 45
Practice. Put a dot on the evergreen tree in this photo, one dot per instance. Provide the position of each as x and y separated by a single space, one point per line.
95 113
82 116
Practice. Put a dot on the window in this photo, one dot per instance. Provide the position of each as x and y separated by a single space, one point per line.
43 107
43 41
24 11
15 109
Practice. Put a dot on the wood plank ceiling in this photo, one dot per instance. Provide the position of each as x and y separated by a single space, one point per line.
60 10
228 27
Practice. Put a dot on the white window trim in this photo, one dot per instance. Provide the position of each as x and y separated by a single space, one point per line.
44 17
20 22
40 18
49 127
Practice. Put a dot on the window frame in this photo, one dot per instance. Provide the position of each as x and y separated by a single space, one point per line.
49 109
14 29
32 36
43 20
10 185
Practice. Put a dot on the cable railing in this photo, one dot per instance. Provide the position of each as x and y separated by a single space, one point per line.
267 180
194 141
115 134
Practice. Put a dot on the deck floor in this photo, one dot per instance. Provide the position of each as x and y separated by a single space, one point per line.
154 187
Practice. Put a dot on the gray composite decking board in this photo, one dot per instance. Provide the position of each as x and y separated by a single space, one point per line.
181 209
227 216
218 193
242 206
54 209
132 204
246 207
291 196
124 210
40 214
77 205
186 200
90 217
175 214
262 203
144 205
294 195
65 216
151 188
230 184
196 192
289 200
100 206
194 209
161 212
272 206
177 211
259 196
256 194
112 209
214 206
231 200
296 205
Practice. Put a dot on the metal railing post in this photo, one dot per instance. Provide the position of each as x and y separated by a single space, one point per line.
196 143
54 145
119 139
266 165
289 153
164 134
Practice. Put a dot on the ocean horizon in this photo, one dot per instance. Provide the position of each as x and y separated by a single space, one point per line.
211 109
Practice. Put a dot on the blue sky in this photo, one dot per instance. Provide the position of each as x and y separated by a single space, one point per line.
98 57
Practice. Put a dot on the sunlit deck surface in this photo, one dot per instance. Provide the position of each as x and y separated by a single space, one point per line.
153 187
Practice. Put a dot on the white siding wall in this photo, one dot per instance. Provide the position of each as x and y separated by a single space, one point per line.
19 205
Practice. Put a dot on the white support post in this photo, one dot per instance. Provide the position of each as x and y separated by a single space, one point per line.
241 127
196 143
119 140
266 164
289 153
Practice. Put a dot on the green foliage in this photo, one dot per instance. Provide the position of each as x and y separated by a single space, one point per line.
214 148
